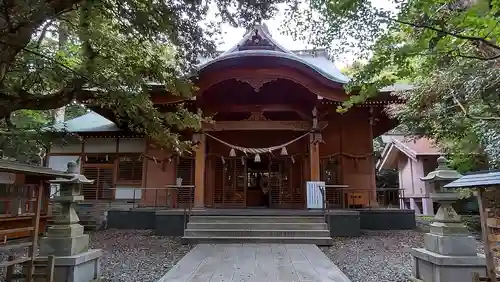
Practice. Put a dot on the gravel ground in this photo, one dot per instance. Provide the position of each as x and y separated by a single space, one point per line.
129 255
136 255
377 256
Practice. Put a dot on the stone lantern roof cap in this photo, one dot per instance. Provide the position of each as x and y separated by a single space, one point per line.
76 178
442 172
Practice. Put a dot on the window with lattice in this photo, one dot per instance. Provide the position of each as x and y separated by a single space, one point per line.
130 168
329 169
185 170
100 158
4 199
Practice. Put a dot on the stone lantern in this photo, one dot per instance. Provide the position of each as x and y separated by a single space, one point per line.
65 239
449 252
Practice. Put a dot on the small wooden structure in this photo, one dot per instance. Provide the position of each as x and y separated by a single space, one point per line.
23 206
488 194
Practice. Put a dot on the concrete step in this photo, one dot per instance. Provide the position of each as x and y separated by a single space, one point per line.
254 233
320 241
259 225
256 219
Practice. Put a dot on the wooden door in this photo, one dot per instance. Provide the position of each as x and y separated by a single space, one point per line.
218 181
234 183
297 183
280 190
229 183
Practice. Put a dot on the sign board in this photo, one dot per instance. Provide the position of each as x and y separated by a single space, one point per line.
7 178
315 191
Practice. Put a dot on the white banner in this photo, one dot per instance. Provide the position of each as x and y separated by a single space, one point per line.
314 194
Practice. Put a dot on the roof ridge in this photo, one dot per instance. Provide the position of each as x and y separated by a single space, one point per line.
257 37
482 171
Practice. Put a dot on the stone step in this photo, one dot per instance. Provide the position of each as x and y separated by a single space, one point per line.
256 219
257 225
254 233
319 241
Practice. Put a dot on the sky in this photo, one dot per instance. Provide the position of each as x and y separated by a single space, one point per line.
231 36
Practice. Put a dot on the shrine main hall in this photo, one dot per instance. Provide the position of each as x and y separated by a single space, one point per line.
275 127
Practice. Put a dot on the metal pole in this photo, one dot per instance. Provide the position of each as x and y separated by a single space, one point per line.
133 202
156 197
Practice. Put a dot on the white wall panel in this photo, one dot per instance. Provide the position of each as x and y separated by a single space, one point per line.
69 147
128 193
132 145
100 145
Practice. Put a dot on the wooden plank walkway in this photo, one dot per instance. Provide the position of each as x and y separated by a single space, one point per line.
255 263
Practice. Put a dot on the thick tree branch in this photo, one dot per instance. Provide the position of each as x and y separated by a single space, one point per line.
476 57
19 35
466 113
73 91
457 35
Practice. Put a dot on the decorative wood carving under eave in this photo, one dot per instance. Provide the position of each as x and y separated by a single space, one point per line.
257 116
256 82
270 74
261 125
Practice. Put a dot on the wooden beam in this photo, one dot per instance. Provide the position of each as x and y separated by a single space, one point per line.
314 159
483 214
261 125
235 108
199 173
34 236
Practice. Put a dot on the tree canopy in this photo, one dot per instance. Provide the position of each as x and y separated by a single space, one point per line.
448 49
53 53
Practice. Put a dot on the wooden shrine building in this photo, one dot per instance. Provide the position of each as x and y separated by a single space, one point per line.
275 127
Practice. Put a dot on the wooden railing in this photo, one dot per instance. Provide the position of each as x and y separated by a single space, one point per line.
30 209
176 196
343 197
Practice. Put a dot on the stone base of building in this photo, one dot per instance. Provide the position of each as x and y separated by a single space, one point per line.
432 267
83 267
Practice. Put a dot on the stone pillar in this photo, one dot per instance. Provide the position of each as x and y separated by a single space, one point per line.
414 206
199 175
427 206
314 156
449 252
65 240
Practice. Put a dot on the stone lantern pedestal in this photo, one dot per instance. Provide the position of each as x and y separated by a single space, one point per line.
74 261
450 252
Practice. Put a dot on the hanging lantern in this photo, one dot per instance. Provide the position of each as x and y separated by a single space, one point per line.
232 153
257 158
223 160
242 160
284 152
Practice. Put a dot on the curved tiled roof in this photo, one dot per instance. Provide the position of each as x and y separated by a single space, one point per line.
317 60
321 65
